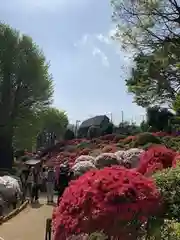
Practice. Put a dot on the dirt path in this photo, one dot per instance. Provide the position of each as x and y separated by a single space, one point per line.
27 225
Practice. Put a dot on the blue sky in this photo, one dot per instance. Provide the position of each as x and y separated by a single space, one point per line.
89 68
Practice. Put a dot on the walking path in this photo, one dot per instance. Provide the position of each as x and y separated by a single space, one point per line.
29 224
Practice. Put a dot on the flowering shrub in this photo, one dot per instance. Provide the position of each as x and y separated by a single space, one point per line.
85 151
120 156
144 138
109 148
129 139
114 200
155 158
82 167
131 157
106 160
108 137
83 158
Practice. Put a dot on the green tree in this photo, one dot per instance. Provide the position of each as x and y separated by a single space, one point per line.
159 118
151 28
155 79
53 126
143 24
25 85
26 132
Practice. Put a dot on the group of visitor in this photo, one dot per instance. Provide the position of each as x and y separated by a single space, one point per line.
34 178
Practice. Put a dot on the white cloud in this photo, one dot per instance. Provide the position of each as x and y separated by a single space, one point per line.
104 39
104 59
90 41
83 41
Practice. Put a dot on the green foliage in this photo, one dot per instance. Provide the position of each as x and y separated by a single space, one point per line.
127 128
69 135
94 132
148 26
97 236
146 138
173 143
109 129
168 182
26 131
152 81
144 126
54 120
25 85
143 24
159 118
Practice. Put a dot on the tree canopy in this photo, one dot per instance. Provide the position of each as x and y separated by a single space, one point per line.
143 24
151 30
159 118
25 85
53 126
155 79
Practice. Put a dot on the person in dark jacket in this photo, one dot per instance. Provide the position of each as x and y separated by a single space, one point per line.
35 185
63 180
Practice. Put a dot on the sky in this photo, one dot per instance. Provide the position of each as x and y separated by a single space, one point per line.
89 68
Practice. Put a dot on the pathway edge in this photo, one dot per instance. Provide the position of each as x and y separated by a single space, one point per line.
13 213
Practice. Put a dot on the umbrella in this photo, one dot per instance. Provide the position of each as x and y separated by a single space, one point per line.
32 162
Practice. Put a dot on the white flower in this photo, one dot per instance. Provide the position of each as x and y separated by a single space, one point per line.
106 160
83 158
131 157
120 156
82 167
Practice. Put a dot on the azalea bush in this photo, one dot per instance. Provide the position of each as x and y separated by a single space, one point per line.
82 167
106 160
156 158
83 158
144 138
131 157
114 200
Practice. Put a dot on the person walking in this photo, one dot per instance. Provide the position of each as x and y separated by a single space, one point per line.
50 183
29 182
23 178
35 185
63 180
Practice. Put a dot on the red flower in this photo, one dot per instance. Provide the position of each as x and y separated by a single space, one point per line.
155 158
107 200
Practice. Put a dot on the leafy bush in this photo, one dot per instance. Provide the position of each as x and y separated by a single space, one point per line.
82 145
109 129
172 142
145 138
116 201
168 182
69 135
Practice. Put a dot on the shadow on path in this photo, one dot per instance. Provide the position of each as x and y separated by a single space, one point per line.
36 205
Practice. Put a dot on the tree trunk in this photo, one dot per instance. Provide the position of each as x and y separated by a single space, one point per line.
6 149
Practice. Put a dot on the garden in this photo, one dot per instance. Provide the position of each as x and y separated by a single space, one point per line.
124 188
